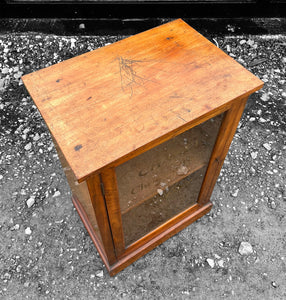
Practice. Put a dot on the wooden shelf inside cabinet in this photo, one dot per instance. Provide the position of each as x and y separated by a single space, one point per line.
142 127
161 167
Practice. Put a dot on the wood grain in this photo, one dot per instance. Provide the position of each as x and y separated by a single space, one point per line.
99 207
97 242
110 103
157 237
225 136
108 178
80 191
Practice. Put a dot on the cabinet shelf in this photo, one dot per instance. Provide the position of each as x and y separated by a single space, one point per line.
156 170
148 214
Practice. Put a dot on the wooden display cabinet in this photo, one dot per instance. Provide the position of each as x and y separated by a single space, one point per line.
142 127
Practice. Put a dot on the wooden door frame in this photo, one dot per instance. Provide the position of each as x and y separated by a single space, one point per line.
125 256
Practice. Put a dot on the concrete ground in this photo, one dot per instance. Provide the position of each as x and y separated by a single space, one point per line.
237 251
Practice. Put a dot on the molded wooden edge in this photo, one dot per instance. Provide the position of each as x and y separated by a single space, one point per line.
91 232
159 239
109 181
103 222
162 228
212 113
145 248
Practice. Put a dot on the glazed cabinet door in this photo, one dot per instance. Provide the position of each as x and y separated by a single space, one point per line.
155 186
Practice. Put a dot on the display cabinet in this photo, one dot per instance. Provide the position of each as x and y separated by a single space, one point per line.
142 127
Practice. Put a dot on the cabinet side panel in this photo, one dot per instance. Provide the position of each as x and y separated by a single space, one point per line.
80 190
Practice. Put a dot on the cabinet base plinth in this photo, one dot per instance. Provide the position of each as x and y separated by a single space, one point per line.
123 262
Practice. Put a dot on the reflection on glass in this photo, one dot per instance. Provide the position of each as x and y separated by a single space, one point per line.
164 181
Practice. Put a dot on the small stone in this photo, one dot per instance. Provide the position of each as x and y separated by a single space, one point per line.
273 283
30 202
183 170
220 263
160 192
81 26
262 120
36 137
252 119
18 269
250 42
265 97
1 176
26 284
73 42
252 170
5 70
245 248
253 155
99 274
143 172
56 194
28 231
273 204
26 130
7 276
235 193
16 227
18 75
267 146
242 42
28 146
211 262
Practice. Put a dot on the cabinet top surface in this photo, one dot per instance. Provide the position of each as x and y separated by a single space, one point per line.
105 104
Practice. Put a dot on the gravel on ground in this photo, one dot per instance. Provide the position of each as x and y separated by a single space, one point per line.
237 251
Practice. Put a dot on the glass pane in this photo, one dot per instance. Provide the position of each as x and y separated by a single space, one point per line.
164 181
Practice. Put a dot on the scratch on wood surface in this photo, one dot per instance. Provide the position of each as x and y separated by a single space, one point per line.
187 109
179 117
46 98
128 75
175 95
207 107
